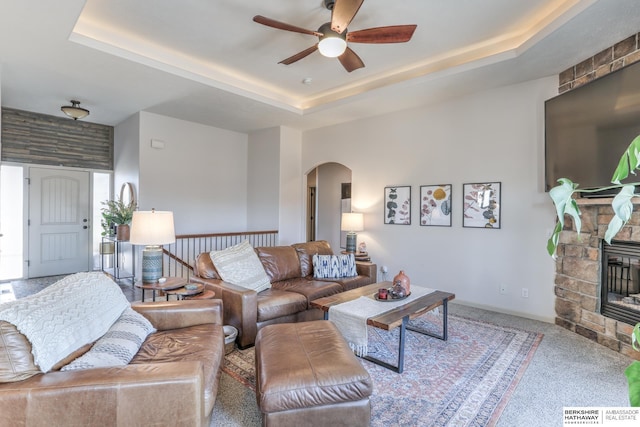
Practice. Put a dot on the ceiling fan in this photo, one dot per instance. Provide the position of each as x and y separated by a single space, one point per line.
333 36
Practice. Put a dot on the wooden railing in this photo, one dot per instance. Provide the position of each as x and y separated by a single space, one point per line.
179 257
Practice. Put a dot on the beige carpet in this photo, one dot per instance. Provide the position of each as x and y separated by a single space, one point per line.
464 381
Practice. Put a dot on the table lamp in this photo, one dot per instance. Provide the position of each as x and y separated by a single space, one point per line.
352 222
153 229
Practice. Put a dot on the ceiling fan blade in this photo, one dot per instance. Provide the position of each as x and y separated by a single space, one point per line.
390 34
342 14
350 60
284 26
298 56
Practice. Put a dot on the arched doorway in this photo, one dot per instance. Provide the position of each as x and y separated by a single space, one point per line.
328 196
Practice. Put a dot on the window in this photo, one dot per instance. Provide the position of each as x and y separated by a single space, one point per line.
101 192
11 222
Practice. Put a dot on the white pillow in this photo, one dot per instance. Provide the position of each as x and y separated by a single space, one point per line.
334 266
241 266
118 346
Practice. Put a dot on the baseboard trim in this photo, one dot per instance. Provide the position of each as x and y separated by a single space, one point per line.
503 311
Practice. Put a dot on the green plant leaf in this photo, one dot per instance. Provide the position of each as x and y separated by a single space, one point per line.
635 337
614 226
623 208
629 162
552 243
116 212
562 196
633 379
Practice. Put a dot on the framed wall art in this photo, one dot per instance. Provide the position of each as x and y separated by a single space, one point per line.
435 205
397 205
481 205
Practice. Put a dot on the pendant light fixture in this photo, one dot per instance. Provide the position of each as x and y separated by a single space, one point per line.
74 110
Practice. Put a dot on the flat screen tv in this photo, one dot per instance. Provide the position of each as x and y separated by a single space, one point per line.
587 129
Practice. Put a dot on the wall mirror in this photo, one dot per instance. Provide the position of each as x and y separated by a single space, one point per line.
128 194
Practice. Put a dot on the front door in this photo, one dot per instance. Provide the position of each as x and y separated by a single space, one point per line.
59 232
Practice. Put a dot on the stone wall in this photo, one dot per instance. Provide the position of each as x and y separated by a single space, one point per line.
578 272
611 59
42 139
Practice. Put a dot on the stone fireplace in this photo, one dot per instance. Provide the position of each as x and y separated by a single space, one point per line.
581 273
580 266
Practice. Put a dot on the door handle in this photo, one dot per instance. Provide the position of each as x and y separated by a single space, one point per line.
85 227
85 220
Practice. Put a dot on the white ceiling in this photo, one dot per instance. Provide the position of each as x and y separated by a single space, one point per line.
206 60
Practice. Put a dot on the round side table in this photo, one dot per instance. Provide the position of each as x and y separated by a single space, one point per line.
183 292
170 284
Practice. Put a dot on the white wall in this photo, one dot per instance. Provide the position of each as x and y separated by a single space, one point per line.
200 174
263 185
0 114
497 135
126 156
292 188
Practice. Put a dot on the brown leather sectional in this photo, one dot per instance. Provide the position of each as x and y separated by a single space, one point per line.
173 380
293 287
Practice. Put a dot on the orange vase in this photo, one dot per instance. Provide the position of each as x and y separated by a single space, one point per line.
404 281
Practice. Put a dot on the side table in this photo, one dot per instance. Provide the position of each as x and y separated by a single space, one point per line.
183 292
199 292
170 284
112 249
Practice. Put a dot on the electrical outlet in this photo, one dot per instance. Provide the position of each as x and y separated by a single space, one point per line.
525 292
384 269
503 289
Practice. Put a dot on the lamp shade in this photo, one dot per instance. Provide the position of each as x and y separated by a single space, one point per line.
352 222
152 228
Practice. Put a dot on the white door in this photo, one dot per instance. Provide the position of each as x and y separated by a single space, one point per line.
59 232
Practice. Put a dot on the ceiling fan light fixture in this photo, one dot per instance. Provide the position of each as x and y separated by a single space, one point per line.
331 46
74 110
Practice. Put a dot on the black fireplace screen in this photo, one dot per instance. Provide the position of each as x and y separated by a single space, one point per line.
621 282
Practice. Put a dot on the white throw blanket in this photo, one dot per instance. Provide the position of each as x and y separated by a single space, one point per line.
58 320
351 317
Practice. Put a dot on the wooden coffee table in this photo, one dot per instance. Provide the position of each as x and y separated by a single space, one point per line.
396 316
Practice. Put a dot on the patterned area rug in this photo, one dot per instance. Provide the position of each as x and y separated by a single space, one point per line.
464 381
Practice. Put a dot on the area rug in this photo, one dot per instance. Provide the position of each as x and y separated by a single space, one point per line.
464 381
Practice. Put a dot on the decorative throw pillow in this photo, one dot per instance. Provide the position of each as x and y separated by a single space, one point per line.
334 266
241 266
118 346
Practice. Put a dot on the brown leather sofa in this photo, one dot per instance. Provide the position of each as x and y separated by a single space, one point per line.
173 379
293 287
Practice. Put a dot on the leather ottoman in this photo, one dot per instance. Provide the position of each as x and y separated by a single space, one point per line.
306 374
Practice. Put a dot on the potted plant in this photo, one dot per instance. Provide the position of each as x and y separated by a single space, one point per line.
565 204
118 214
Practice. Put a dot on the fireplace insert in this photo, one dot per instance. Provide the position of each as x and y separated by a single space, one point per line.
620 281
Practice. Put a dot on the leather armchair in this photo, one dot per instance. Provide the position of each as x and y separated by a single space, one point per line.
180 391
